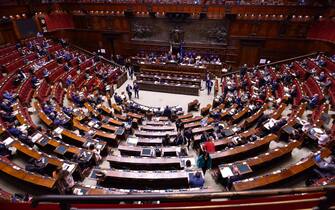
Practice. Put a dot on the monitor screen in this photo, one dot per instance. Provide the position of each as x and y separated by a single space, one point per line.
243 168
60 149
146 152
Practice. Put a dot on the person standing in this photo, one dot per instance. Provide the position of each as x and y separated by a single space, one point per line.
131 72
136 90
129 89
204 161
209 86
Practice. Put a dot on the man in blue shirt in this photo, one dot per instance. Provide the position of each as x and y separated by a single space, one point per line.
196 180
10 97
314 101
14 131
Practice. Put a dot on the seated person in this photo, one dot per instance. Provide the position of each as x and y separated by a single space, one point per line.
66 67
65 181
69 81
7 116
22 136
323 138
278 125
46 73
4 151
167 112
68 111
209 145
20 77
117 98
326 166
96 152
35 82
313 101
253 138
166 140
9 96
38 166
326 83
322 77
196 180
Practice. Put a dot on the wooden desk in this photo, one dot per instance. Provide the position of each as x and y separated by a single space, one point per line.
93 190
155 134
145 179
130 150
222 144
238 116
253 118
113 121
139 117
144 163
169 87
185 69
186 116
121 117
42 115
15 171
168 79
265 159
192 125
161 118
108 128
196 131
149 142
72 137
242 151
150 70
110 138
155 123
277 114
205 110
91 109
105 109
280 175
157 128
191 120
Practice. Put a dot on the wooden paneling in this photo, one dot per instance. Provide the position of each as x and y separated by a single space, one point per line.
248 40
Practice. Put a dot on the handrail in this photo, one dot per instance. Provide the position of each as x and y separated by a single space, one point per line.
90 53
175 197
87 52
275 63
